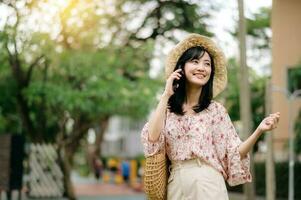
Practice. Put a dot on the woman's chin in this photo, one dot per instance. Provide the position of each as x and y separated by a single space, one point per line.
198 82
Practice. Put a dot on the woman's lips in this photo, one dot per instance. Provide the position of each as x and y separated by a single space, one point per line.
199 75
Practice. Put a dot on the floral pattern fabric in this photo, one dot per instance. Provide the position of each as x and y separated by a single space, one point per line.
208 135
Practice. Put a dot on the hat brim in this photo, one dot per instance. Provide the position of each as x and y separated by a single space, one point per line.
193 40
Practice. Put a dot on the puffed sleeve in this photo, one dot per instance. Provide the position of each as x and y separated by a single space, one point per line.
236 168
151 148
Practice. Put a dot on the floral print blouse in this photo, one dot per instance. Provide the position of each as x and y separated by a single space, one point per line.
208 135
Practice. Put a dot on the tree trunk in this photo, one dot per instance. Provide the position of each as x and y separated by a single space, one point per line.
22 104
22 78
65 162
245 105
94 151
67 148
103 125
269 166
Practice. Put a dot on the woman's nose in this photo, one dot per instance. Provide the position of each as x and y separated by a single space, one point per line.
201 67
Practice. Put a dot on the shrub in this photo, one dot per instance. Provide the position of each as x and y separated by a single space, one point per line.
281 172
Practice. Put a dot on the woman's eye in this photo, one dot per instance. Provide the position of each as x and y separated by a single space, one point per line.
195 61
207 64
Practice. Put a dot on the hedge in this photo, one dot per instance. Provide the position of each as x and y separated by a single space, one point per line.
281 170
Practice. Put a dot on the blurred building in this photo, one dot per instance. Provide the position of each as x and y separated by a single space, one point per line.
286 56
123 138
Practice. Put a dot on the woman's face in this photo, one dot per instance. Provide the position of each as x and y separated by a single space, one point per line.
198 71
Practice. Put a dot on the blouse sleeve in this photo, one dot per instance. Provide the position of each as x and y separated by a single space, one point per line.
151 148
236 168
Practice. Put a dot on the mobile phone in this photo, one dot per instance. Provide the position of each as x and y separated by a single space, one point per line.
176 82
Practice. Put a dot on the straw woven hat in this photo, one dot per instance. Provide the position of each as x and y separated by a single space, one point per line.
193 40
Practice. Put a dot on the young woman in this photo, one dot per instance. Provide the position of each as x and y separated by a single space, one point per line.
196 131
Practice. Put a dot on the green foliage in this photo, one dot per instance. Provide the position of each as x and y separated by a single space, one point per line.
258 27
163 17
9 119
297 130
257 84
82 61
232 91
257 97
294 78
257 87
91 67
93 84
282 173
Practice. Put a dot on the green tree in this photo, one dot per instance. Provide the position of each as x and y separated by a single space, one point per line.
85 68
258 33
259 28
297 130
257 84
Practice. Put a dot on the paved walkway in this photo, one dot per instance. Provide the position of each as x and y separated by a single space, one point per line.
90 189
94 191
121 192
104 189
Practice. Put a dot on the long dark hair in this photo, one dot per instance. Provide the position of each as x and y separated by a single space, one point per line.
177 100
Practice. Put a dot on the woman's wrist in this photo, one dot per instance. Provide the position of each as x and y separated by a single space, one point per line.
165 96
258 132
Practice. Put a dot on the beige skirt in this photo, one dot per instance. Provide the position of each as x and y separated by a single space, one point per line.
195 180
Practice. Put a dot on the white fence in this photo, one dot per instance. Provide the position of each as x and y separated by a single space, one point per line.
45 175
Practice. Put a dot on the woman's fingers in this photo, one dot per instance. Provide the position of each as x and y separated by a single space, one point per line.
176 74
267 121
275 117
272 120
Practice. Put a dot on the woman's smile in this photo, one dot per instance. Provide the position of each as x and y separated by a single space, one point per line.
199 75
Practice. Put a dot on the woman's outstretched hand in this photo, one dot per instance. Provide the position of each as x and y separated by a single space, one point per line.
266 124
269 123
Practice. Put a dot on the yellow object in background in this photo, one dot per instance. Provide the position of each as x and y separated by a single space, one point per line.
118 179
112 163
133 172
106 177
143 163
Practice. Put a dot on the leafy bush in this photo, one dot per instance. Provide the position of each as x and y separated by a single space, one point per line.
297 130
281 170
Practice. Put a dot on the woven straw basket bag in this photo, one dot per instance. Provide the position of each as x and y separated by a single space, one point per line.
155 176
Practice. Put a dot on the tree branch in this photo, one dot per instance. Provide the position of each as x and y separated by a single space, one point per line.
157 14
43 118
30 69
80 129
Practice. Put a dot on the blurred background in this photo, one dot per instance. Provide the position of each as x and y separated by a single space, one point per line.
79 78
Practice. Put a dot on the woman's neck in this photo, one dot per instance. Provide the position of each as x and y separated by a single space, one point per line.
192 96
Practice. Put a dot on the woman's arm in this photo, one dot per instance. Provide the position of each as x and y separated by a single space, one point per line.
157 119
267 124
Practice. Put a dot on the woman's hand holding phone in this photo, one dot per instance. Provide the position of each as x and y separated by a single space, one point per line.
172 82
